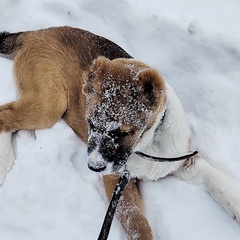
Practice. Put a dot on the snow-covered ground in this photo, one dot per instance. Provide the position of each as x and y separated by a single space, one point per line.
50 194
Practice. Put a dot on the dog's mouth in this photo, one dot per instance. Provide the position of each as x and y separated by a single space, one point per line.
117 167
106 153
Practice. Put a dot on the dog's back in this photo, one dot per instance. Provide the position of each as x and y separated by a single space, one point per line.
87 46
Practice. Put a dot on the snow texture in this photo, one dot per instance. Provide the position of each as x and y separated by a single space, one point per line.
51 194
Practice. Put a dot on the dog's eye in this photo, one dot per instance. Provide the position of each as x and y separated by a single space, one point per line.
117 133
126 133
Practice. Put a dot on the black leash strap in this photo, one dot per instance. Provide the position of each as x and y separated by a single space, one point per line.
122 182
163 159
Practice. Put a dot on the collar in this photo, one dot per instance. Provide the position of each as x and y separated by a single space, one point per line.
161 121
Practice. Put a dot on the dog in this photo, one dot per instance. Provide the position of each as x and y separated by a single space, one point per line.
116 105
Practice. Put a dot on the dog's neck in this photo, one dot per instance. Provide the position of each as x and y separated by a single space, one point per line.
161 121
168 137
149 134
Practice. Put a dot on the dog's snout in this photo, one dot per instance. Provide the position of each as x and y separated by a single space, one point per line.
105 154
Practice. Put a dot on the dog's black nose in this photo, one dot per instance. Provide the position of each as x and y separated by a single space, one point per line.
97 167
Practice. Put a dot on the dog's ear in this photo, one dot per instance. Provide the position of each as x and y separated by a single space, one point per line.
151 88
93 75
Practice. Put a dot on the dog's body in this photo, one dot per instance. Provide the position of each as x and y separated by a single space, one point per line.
126 107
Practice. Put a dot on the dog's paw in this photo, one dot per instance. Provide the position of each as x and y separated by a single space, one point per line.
232 204
223 188
233 208
7 155
23 141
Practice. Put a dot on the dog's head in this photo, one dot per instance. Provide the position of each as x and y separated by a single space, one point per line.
123 97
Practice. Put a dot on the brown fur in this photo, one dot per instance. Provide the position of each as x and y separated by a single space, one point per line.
48 69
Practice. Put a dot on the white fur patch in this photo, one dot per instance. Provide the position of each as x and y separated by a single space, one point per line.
7 155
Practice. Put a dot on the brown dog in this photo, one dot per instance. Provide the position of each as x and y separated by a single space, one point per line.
126 107
49 67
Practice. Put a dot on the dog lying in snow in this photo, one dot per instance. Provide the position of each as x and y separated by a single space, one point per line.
117 105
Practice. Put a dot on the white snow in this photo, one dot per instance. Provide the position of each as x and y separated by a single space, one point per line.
50 193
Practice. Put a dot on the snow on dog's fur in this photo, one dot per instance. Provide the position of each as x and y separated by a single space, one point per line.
125 107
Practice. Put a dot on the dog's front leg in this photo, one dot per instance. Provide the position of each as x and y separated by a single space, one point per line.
222 188
7 155
130 209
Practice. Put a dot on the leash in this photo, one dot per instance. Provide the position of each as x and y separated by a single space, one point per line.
122 182
163 159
